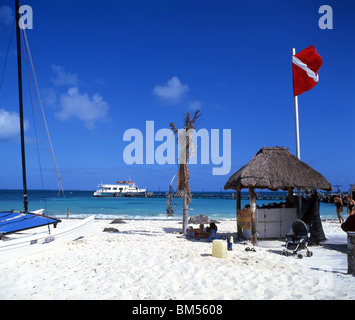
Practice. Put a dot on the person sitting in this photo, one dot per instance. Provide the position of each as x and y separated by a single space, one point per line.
198 233
201 232
213 232
212 227
349 224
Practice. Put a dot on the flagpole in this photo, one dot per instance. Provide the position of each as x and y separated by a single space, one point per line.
298 151
297 126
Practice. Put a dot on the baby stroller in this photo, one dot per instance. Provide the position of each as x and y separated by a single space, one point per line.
298 240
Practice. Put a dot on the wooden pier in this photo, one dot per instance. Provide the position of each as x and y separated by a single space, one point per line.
198 195
323 197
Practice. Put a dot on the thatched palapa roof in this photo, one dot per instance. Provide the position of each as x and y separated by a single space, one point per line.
276 168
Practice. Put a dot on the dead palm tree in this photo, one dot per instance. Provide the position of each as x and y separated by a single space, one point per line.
184 138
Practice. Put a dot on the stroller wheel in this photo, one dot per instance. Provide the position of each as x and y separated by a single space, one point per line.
309 254
285 253
300 256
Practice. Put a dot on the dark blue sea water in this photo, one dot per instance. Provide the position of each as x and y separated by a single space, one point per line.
82 204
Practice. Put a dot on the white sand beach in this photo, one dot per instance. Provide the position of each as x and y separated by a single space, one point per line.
147 260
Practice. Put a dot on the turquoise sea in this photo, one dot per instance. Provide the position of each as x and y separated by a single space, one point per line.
82 204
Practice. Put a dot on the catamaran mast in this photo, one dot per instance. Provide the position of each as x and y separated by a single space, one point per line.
22 133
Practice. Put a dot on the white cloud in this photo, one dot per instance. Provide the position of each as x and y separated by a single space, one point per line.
49 96
63 78
172 92
79 105
6 16
10 125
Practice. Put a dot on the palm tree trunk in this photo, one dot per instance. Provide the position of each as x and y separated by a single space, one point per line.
185 213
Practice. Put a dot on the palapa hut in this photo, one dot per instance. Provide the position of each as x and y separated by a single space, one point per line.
274 168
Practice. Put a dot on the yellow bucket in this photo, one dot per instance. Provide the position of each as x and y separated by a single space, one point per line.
219 248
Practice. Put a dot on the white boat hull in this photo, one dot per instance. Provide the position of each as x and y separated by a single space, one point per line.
37 242
120 189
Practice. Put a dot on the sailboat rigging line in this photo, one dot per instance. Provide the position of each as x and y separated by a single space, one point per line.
43 115
22 131
33 104
7 54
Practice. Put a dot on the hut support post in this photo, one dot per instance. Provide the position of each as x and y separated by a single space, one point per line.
239 207
299 203
254 238
290 198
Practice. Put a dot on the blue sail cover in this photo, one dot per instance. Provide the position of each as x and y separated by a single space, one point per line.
16 221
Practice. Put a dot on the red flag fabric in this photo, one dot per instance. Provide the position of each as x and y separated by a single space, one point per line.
305 67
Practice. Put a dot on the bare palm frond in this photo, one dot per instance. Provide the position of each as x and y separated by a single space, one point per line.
173 128
187 118
190 123
195 117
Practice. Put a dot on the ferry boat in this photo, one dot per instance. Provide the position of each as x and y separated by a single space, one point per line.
121 188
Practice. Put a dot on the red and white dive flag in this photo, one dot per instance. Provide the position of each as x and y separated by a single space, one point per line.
305 66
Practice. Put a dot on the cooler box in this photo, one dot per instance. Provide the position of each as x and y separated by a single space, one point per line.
219 248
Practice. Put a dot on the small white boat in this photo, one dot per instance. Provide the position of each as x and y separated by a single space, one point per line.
20 244
121 188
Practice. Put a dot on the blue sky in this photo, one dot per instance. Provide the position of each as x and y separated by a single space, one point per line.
104 67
